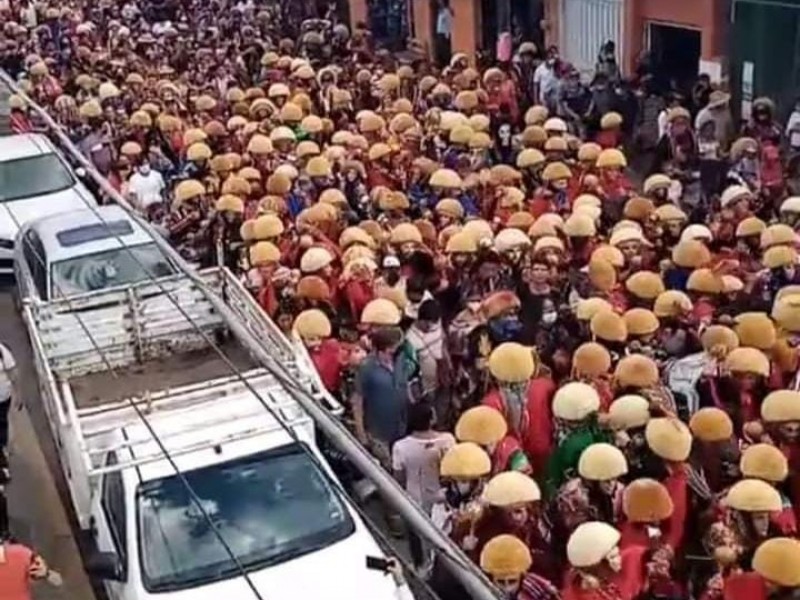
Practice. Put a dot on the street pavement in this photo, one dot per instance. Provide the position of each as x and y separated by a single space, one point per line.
38 516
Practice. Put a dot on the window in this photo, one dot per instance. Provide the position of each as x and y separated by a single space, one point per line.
113 502
33 176
91 233
34 256
269 508
119 266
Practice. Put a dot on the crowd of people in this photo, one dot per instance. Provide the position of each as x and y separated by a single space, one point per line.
586 373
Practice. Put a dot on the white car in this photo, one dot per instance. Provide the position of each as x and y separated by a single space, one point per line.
269 498
34 181
72 253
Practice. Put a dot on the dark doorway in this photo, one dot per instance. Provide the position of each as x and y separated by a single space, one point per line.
388 20
675 52
524 16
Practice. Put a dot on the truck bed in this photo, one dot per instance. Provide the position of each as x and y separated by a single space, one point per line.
181 369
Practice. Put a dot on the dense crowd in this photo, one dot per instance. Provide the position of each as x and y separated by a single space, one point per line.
585 371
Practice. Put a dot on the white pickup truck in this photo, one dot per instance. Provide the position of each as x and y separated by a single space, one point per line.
269 496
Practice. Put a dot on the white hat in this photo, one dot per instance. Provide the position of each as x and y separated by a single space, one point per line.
575 401
734 193
697 232
391 261
791 205
590 543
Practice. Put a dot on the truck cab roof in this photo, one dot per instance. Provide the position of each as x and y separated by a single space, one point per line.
83 232
24 145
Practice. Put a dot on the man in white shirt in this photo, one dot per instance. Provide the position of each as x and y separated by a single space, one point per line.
545 80
444 29
415 462
427 338
146 187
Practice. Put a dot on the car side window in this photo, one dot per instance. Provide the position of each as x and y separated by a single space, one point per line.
34 256
113 503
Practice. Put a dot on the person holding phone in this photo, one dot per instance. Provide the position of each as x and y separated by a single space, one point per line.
392 566
415 463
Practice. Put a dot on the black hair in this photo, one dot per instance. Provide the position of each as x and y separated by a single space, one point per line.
384 338
420 417
429 310
415 285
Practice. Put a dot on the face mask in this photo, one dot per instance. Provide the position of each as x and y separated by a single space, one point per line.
144 169
464 487
506 328
392 277
549 318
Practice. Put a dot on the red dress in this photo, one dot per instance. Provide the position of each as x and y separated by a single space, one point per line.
327 358
627 584
536 429
357 293
678 487
745 586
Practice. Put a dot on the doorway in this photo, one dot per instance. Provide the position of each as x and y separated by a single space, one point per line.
389 23
522 18
675 54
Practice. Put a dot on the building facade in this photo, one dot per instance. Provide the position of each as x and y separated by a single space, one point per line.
682 36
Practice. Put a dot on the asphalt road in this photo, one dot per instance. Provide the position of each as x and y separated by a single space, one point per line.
38 516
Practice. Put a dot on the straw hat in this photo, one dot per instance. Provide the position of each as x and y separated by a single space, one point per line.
481 425
511 363
511 488
764 461
575 401
711 424
505 556
753 495
646 501
629 412
465 461
669 438
778 561
602 462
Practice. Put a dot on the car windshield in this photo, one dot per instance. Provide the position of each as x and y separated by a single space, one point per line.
33 176
269 508
119 266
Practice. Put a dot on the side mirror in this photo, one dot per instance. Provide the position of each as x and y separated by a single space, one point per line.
80 172
104 565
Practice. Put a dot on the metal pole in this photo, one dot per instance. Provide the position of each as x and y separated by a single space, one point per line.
459 565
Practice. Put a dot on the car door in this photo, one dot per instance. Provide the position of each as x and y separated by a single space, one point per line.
109 515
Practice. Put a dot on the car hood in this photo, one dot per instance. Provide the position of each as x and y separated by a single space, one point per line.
15 213
337 572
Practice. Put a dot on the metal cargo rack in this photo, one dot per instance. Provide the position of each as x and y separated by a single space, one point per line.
92 425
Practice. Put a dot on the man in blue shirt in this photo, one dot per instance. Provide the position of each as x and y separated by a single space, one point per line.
380 403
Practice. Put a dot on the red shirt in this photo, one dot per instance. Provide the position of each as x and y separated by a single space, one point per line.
745 586
357 293
627 584
15 572
678 487
536 435
327 358
608 138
